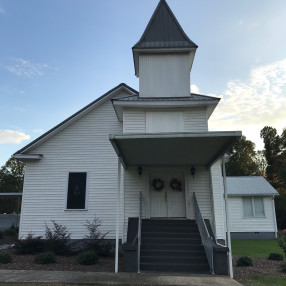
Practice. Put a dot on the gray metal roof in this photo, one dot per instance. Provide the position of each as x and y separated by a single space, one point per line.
164 31
249 185
192 97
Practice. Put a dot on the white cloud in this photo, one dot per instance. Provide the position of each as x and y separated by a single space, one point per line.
251 105
24 68
11 136
194 88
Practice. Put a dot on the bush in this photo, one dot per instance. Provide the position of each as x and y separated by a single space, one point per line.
282 240
244 261
10 232
275 256
1 234
87 257
5 258
95 239
283 267
30 245
45 258
57 239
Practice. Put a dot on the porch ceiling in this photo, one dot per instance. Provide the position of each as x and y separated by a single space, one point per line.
172 148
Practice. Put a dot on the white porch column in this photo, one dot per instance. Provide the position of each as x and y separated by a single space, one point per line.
225 160
117 215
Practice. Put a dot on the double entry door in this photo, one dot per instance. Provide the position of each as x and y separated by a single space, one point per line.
167 195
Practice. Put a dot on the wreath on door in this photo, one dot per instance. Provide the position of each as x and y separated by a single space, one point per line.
158 184
176 185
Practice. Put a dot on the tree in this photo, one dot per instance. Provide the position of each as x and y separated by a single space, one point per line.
261 163
242 159
11 180
275 154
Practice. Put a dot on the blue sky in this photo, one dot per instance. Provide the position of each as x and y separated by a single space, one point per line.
58 56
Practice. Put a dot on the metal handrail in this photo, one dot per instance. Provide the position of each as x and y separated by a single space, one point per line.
139 231
207 240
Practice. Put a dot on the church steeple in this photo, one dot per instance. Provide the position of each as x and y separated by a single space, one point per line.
162 34
163 56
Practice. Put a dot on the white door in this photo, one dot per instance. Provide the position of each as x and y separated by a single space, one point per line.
176 195
158 195
167 195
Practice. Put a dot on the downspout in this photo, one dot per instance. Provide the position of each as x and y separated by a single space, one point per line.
117 215
274 216
225 159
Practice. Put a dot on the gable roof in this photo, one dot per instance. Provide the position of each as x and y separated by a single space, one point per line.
75 116
164 31
249 185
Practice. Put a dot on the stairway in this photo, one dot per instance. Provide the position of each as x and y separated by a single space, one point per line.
173 246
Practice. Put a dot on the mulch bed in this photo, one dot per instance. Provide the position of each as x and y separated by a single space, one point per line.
261 266
64 263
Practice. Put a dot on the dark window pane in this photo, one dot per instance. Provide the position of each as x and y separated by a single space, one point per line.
76 191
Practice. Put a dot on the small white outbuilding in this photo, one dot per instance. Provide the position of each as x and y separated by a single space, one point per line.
252 209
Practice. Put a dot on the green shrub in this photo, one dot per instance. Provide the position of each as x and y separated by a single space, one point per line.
5 258
244 261
45 258
1 234
275 256
57 239
283 267
30 245
87 257
95 239
10 231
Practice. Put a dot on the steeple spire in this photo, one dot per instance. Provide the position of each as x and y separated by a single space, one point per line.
164 31
163 34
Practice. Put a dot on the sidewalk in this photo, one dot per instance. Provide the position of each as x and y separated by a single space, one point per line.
104 278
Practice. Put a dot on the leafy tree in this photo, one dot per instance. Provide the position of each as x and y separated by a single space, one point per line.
11 180
261 163
275 154
242 159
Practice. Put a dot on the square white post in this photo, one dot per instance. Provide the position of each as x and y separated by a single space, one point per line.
117 215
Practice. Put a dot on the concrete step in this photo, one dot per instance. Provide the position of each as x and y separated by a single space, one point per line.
173 253
173 260
175 267
170 240
170 235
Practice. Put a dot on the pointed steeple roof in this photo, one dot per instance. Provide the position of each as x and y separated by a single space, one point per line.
164 31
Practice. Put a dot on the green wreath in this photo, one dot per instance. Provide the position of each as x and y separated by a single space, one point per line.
158 184
176 185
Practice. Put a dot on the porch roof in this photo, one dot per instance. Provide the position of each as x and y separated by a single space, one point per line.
202 148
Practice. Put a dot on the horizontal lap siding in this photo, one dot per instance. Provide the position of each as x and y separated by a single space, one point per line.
218 201
200 185
83 146
134 120
195 120
240 224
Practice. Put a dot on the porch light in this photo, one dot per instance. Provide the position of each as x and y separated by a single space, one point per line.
193 171
139 170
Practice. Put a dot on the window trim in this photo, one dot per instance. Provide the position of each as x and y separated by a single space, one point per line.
86 190
253 207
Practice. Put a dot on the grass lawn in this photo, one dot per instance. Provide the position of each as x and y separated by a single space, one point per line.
255 248
259 280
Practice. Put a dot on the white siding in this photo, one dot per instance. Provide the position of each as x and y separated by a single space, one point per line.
218 200
81 147
134 120
164 121
200 185
240 224
164 75
192 119
195 120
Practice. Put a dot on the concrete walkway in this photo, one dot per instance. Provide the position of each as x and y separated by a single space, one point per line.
104 278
